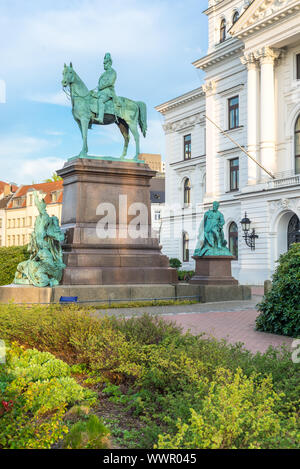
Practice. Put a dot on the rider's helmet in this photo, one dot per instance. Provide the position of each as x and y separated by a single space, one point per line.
107 57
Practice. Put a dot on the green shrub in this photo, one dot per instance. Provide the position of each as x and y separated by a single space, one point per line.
280 308
88 434
237 412
185 274
152 370
175 263
36 389
9 259
146 329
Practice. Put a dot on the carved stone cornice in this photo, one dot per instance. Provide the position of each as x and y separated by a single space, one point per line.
180 100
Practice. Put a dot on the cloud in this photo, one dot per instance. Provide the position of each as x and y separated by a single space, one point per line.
20 159
81 31
18 146
40 169
59 98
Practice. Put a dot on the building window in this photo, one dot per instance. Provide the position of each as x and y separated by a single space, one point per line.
234 174
233 235
298 66
185 246
235 17
297 146
157 215
293 231
233 112
223 30
187 144
187 192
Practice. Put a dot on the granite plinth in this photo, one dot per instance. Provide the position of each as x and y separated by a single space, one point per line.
91 188
95 294
213 270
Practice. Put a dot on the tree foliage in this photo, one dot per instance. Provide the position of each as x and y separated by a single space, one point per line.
280 308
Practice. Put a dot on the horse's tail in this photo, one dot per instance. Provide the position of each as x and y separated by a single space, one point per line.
142 117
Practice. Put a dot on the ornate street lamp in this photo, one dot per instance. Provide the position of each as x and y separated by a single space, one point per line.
248 237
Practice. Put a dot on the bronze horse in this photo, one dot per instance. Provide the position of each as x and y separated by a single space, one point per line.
127 114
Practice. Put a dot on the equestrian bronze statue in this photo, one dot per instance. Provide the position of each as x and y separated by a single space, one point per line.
103 107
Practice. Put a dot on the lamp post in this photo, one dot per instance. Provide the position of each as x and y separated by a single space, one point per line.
248 237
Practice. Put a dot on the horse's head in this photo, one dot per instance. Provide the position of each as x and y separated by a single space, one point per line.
68 75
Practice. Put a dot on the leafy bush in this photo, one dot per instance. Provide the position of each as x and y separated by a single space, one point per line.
9 259
185 274
36 390
146 329
157 374
88 434
175 263
280 308
237 412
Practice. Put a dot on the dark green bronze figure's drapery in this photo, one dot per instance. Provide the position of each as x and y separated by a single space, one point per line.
211 241
45 266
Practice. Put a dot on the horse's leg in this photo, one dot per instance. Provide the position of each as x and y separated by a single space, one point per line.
84 129
79 125
134 130
125 132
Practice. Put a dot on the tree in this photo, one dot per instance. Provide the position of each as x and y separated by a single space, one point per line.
54 178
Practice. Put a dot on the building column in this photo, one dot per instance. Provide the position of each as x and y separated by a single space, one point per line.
211 138
267 57
252 115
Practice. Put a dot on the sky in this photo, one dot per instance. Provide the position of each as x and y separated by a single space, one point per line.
152 44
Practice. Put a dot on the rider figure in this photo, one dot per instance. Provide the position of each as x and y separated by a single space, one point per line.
106 88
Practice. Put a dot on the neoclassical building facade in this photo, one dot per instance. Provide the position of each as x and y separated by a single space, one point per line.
252 92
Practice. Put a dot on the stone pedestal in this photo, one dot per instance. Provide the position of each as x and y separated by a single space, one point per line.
94 188
213 270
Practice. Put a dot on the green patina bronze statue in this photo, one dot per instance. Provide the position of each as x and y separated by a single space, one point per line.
45 266
211 241
103 107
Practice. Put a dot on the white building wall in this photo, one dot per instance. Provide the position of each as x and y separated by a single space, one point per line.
269 204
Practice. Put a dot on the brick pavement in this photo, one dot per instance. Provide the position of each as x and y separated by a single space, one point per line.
230 320
234 326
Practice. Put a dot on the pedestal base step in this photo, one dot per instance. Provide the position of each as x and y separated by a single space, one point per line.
108 293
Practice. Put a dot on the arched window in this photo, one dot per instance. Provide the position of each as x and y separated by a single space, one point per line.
235 17
185 248
293 231
233 235
297 146
223 30
187 192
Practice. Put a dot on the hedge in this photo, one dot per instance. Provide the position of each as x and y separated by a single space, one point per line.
10 257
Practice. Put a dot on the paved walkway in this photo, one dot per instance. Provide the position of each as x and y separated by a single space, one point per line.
230 320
